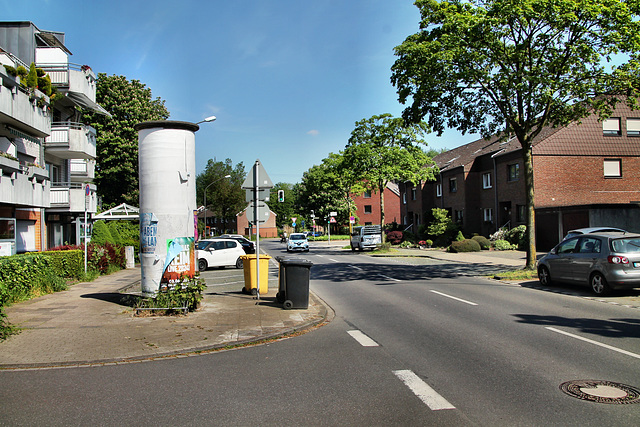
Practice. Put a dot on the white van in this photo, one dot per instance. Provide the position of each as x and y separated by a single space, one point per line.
366 236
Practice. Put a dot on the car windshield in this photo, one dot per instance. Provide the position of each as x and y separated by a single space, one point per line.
626 245
202 245
297 237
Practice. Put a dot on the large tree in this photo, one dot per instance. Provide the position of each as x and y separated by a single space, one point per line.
513 67
384 148
129 102
225 197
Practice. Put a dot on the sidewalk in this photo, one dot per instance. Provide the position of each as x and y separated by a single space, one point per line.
91 324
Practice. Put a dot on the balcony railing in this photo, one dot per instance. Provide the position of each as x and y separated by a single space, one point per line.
71 197
71 140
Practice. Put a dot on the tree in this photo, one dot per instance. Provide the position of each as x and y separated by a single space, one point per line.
225 197
283 210
129 103
514 67
384 148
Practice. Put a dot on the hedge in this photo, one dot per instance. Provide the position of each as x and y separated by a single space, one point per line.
467 245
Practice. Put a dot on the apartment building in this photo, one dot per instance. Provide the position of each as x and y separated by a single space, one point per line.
368 206
585 174
47 155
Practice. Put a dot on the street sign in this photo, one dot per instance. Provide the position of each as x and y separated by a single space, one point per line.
263 195
262 215
293 219
333 213
332 220
263 179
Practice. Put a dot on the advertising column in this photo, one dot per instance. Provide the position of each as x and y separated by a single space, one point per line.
166 158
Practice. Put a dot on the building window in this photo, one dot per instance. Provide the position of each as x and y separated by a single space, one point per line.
486 180
633 127
439 190
521 213
459 216
404 198
514 172
413 194
367 194
367 209
612 168
488 214
611 126
453 185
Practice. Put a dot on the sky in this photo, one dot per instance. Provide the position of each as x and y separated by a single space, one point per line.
286 79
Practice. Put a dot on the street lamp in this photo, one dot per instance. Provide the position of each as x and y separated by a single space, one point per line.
205 194
208 119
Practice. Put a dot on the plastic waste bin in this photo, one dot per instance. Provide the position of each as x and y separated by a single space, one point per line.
293 282
250 266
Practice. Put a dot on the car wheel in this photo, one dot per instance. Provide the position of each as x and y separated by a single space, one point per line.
599 284
202 264
544 277
239 263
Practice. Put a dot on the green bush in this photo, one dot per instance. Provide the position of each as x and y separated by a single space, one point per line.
188 294
441 228
406 244
69 263
459 237
467 245
503 245
101 233
483 242
518 236
32 77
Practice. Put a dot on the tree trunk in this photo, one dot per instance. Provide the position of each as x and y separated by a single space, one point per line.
527 157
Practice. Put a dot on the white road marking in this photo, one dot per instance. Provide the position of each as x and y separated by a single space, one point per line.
357 268
334 260
390 278
455 298
619 350
421 389
363 339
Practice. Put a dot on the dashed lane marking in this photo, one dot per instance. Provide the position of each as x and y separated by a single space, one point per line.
454 298
578 337
424 392
363 339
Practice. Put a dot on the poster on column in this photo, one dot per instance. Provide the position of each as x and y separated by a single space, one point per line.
180 261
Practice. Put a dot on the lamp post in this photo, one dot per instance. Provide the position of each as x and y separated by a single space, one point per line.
205 196
208 119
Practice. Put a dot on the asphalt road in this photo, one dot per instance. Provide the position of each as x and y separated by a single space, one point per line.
413 343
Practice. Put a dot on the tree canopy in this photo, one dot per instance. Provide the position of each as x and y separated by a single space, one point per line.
129 102
513 67
384 148
225 197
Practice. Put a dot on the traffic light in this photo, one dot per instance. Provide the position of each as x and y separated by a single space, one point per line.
281 195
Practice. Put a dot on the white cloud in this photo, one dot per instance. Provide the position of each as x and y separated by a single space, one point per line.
313 132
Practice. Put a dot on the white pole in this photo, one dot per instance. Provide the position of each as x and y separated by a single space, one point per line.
255 215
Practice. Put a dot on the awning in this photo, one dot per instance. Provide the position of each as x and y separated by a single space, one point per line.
84 101
122 211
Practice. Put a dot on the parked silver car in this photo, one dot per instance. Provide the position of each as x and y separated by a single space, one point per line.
579 231
603 261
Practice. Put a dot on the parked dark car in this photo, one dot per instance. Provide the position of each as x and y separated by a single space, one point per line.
247 245
602 261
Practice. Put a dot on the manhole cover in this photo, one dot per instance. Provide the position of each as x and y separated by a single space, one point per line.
601 391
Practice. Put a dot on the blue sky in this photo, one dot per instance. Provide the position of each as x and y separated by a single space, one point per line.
287 79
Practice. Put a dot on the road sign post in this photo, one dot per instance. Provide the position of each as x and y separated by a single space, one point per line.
257 185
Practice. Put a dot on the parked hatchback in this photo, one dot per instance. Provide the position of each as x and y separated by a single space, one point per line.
588 230
219 253
602 261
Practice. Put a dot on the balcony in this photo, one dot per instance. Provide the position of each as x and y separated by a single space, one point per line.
25 111
70 197
82 170
76 82
69 140
21 187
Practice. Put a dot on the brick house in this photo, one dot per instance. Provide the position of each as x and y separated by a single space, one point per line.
585 174
267 229
368 206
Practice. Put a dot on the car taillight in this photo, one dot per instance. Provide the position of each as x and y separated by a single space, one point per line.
616 259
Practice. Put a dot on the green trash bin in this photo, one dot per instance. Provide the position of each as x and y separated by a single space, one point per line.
293 282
